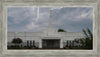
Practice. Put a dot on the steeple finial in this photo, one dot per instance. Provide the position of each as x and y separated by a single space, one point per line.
50 23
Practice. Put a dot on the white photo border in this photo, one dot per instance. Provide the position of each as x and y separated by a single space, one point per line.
3 31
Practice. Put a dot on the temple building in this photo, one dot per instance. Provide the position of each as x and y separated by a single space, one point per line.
49 38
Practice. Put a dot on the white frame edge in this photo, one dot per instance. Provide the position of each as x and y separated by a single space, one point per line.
49 52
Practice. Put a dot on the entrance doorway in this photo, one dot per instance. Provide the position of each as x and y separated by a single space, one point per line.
51 43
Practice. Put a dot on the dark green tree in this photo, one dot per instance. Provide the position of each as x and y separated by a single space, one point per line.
88 39
61 30
17 41
27 43
86 35
82 41
86 42
67 43
33 43
76 40
30 43
90 33
72 43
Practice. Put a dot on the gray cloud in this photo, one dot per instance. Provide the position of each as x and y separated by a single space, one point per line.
72 19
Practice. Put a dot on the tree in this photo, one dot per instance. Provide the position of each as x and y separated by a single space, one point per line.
82 41
86 35
88 39
61 30
76 40
90 33
17 41
30 43
67 43
72 43
27 43
33 43
86 42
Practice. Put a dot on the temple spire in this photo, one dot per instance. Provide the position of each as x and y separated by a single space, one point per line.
50 23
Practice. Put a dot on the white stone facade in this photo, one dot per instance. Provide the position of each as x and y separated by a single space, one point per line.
47 34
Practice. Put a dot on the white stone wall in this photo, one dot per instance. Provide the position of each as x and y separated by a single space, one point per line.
38 36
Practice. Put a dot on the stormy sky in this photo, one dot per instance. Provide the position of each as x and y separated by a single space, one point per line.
33 19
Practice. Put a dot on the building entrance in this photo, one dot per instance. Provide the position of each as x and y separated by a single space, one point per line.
51 43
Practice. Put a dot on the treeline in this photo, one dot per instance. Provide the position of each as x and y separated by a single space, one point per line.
86 42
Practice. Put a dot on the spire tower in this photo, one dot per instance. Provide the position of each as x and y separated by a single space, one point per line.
50 21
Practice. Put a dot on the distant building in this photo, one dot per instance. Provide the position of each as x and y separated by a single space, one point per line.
49 38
